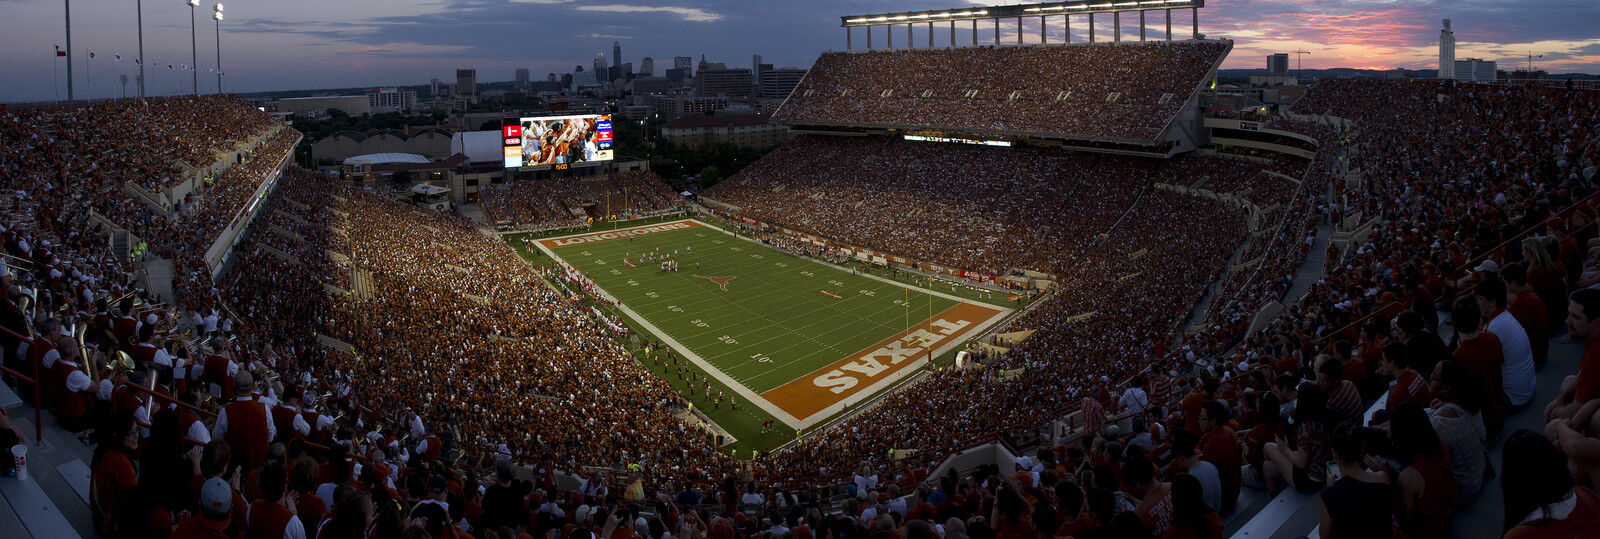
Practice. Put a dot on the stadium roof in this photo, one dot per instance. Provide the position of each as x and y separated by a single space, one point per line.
1073 7
385 158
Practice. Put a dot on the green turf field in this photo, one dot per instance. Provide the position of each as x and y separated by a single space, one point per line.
780 319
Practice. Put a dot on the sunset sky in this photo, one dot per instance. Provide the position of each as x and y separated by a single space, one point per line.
296 44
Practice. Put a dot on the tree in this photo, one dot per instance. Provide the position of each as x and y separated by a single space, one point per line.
709 176
491 125
336 113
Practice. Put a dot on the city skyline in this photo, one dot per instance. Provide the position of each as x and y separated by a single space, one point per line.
297 44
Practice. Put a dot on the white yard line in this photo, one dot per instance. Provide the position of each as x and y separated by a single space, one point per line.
751 396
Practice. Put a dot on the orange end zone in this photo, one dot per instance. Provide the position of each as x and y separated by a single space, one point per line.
825 387
596 237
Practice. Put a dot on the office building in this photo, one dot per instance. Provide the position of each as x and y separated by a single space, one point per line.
722 82
1278 64
679 106
602 70
521 75
684 63
779 83
755 74
647 67
383 100
467 86
1447 52
433 88
1475 69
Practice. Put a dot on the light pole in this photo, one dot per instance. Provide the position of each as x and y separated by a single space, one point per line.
216 14
138 7
68 9
194 49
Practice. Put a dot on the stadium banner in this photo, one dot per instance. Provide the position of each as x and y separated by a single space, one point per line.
749 221
596 237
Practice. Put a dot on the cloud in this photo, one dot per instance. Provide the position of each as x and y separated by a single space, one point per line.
687 13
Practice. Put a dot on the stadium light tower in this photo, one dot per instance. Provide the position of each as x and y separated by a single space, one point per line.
216 15
68 11
194 50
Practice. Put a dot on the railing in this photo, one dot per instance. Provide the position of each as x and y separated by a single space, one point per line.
38 424
1564 213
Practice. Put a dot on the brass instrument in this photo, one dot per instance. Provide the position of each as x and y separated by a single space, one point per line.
18 262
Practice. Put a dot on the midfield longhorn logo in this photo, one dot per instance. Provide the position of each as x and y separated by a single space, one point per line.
721 281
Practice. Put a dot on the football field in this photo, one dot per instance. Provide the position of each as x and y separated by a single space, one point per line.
789 338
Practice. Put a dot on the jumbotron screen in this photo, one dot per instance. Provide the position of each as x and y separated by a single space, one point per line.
558 141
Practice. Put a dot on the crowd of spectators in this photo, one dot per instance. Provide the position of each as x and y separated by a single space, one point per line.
565 202
1112 90
498 367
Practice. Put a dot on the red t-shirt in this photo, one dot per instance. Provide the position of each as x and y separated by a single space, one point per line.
1588 386
1409 387
1581 522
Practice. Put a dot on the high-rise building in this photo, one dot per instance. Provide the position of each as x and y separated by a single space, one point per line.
685 63
601 70
1278 64
616 53
647 67
382 100
1475 69
521 75
779 83
1447 52
467 85
755 74
722 82
551 77
433 87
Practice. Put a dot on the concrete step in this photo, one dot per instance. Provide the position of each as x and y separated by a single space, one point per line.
76 474
34 510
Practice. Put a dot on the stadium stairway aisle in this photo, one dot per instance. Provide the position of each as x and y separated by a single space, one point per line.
53 501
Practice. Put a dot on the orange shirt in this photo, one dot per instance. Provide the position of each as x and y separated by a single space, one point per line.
114 474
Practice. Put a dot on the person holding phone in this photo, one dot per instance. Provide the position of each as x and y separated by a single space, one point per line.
1358 502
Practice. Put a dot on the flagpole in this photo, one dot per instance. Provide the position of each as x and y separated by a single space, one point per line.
55 72
88 80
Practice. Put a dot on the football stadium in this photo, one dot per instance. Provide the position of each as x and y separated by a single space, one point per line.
1049 288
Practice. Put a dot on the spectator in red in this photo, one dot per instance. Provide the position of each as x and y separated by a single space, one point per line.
1220 446
1192 517
113 470
1426 484
1528 309
1479 351
1409 385
1540 500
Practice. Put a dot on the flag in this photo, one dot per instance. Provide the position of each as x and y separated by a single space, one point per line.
138 61
91 55
60 52
116 57
169 66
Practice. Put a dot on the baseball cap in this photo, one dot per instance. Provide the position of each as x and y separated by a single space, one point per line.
216 496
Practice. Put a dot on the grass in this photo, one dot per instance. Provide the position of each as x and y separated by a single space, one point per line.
771 326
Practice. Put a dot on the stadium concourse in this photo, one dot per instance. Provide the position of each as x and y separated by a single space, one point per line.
383 370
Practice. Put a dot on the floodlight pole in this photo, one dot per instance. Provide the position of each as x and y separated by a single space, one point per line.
138 7
68 7
194 51
217 16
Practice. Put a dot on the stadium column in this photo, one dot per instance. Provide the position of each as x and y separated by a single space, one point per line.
952 33
846 38
1141 25
1091 28
1019 30
930 34
911 37
1116 26
1194 16
890 28
974 32
1067 20
1169 24
869 37
997 30
1044 34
